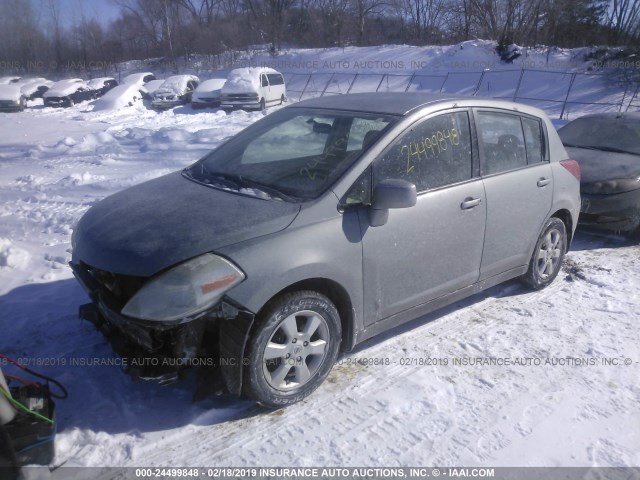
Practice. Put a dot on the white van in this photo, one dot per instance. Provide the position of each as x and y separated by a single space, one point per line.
253 88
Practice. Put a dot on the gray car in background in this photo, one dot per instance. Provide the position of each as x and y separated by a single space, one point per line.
607 146
323 224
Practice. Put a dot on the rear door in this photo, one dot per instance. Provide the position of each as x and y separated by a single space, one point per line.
518 183
434 247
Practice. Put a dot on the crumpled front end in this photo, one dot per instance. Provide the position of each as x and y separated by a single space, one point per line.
154 349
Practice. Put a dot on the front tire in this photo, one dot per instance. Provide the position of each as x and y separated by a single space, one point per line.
547 257
291 349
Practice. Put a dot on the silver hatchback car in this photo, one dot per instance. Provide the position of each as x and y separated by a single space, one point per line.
322 225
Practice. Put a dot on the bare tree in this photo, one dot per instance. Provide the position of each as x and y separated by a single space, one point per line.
362 10
334 15
270 14
426 17
624 20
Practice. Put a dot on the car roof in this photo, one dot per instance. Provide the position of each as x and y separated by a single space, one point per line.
403 103
101 79
396 103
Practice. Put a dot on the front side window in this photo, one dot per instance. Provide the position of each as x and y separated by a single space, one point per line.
275 79
263 80
296 152
432 154
502 141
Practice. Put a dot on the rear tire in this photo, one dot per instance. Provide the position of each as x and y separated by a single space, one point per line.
291 349
547 257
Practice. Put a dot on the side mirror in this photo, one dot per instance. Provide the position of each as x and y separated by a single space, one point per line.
390 193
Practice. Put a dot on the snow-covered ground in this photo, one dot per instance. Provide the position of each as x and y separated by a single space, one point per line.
506 378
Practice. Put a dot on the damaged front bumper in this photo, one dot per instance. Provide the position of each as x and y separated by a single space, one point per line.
616 212
162 350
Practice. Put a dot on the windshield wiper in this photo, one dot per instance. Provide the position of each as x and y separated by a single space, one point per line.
238 182
269 190
226 180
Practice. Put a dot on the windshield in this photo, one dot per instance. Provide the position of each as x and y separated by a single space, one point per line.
293 154
610 134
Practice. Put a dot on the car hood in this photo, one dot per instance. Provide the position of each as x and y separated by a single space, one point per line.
10 92
166 91
597 165
152 226
199 95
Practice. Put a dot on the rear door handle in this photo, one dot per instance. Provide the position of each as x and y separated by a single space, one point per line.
470 202
543 182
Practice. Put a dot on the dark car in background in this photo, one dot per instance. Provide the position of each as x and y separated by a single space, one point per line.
140 78
67 93
102 85
607 146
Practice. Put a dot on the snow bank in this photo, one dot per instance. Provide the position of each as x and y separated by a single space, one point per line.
12 256
83 178
119 97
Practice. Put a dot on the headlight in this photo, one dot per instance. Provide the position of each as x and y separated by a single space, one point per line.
185 290
611 186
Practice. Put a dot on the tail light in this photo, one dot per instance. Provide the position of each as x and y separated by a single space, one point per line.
572 166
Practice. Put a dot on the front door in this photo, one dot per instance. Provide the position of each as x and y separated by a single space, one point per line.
434 247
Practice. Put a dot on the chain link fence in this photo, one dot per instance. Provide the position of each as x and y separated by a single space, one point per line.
558 93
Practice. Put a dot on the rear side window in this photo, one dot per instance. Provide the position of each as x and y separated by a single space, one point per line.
534 140
502 142
432 154
275 79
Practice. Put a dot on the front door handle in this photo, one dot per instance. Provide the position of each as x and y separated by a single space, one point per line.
543 182
470 202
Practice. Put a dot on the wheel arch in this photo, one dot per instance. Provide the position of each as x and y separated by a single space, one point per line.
233 343
565 215
334 292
